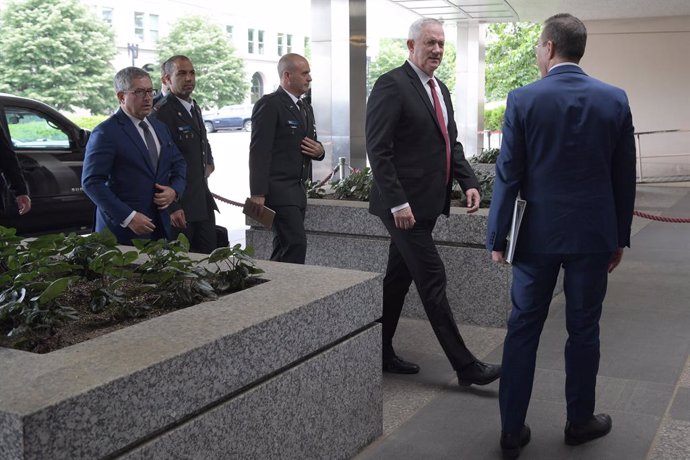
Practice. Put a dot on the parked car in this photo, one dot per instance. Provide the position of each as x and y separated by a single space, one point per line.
50 149
229 117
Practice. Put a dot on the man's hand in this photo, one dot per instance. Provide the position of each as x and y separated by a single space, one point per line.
312 148
141 224
498 257
164 196
615 259
256 205
210 169
178 219
473 199
24 204
404 219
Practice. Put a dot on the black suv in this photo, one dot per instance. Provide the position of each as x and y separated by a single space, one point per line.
50 149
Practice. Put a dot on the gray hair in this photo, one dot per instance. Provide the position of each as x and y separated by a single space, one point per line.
124 78
288 62
417 26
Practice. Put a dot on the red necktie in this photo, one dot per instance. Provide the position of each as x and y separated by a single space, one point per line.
442 124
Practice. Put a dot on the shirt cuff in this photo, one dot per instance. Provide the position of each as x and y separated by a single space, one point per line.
129 218
398 208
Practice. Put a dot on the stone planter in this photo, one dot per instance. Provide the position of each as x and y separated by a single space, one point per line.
274 371
343 234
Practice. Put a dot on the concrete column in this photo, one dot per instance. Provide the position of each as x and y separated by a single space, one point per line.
338 68
469 86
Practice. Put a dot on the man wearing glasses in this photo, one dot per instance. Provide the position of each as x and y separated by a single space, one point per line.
133 170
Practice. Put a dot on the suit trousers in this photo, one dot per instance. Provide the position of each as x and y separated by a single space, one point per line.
289 237
201 234
584 286
412 256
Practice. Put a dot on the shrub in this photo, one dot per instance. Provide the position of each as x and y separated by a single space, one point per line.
486 156
87 122
41 278
493 118
356 186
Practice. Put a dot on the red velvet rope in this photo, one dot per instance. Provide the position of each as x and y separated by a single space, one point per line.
675 220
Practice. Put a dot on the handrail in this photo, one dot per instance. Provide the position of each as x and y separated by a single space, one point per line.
639 144
664 131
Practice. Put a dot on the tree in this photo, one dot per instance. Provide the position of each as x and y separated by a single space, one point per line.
59 52
510 59
221 79
392 54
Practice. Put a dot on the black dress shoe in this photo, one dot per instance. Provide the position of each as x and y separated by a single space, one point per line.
599 425
478 373
397 365
511 443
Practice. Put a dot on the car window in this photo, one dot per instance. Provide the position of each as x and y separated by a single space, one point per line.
34 130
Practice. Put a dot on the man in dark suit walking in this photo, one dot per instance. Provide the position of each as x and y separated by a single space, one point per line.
282 147
414 155
194 214
133 171
568 150
12 172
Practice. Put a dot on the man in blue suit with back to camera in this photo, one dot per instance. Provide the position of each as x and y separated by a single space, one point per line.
568 150
132 169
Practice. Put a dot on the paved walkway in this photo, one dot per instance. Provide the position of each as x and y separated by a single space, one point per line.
644 377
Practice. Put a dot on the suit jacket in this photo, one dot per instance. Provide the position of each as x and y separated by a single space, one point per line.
190 137
119 177
568 149
9 166
407 150
277 166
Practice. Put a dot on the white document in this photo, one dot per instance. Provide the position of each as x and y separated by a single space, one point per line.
518 212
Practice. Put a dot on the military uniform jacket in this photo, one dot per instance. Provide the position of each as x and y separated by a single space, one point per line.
190 137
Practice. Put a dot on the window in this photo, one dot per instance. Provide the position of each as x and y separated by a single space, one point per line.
107 15
289 43
307 48
281 38
250 41
261 42
153 27
228 32
257 87
139 25
32 130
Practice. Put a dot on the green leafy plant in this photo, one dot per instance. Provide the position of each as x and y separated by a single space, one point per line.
44 279
493 118
486 156
356 186
315 189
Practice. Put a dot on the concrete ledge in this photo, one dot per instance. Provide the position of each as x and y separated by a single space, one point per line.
114 394
343 234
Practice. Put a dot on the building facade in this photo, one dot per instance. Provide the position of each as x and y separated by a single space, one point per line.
260 31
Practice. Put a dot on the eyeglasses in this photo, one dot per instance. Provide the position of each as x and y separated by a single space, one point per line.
140 93
536 47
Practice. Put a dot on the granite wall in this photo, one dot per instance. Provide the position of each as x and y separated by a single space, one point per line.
343 234
269 372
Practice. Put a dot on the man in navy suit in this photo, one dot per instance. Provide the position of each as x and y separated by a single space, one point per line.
133 170
568 150
414 155
283 145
